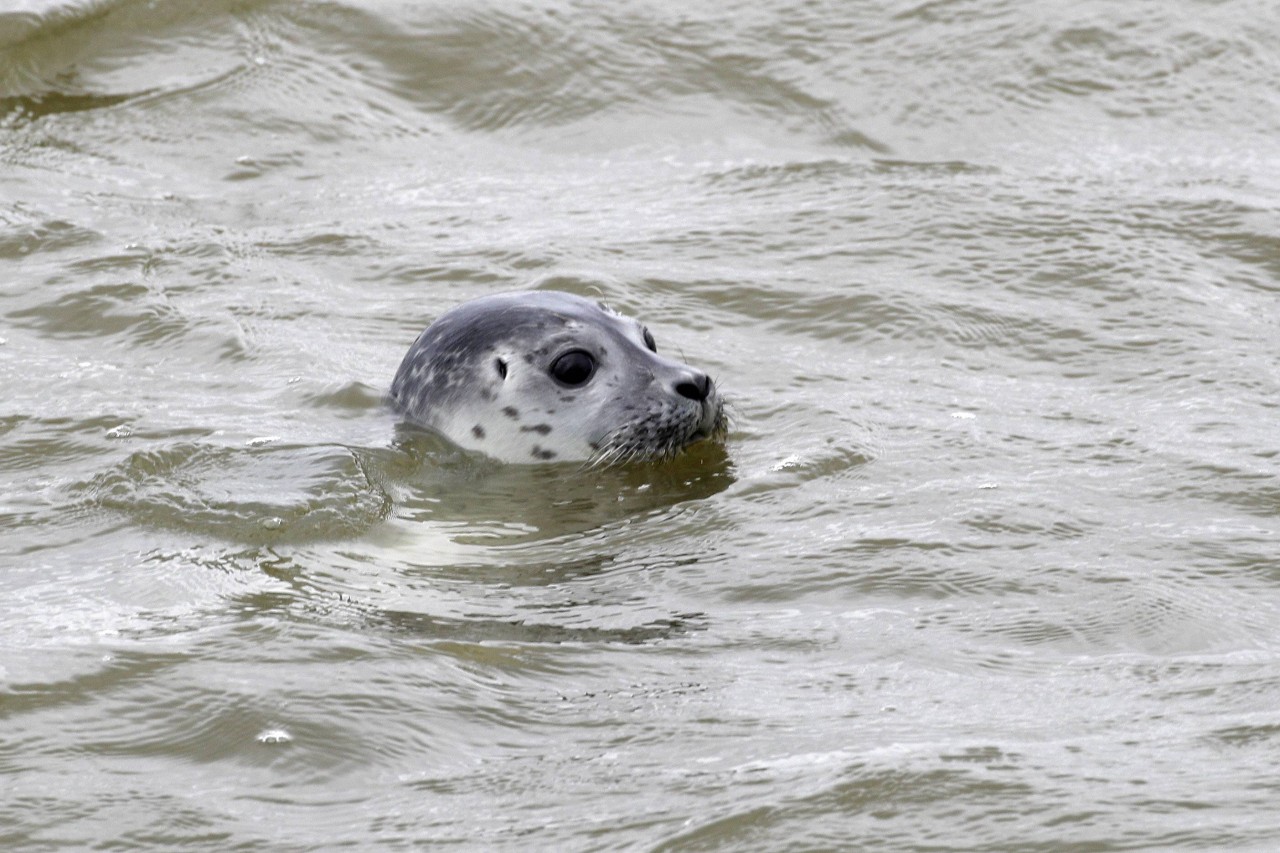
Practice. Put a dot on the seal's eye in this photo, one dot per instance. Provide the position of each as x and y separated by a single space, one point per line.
573 368
649 342
501 367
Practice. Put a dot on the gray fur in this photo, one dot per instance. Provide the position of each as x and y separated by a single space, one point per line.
481 376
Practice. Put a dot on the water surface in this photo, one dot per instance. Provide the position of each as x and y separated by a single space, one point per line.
988 561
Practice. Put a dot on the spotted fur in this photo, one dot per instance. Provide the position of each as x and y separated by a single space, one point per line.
482 376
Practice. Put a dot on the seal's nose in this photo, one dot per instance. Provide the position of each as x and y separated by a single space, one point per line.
696 386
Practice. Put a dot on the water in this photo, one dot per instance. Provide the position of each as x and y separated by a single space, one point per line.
987 563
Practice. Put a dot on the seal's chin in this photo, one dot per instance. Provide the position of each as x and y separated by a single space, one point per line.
714 424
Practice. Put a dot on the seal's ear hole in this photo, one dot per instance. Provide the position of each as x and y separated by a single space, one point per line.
649 341
573 368
501 366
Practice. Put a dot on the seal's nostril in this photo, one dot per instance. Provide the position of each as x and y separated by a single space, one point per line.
697 387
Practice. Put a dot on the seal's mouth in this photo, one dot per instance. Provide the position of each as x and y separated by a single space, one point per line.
699 434
657 439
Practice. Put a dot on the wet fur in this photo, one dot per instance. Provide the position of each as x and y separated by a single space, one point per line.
479 375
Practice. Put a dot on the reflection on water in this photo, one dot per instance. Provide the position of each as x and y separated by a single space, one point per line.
553 500
987 561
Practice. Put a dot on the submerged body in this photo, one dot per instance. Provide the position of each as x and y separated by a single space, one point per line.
545 376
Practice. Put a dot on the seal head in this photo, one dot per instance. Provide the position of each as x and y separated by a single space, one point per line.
545 376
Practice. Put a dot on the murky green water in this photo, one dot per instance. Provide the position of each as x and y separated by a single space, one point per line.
989 561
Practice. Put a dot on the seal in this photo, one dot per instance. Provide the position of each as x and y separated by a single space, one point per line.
543 376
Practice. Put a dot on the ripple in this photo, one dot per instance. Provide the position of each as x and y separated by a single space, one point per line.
253 494
492 70
27 233
457 633
107 310
31 443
